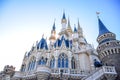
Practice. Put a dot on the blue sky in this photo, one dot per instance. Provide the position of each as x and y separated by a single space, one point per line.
22 23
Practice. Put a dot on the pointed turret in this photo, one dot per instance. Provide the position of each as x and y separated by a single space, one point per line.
102 28
104 34
79 25
54 27
75 30
42 44
63 16
69 22
63 22
69 29
82 39
80 31
63 19
75 34
53 33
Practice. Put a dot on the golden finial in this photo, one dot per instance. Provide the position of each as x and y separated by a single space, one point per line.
98 14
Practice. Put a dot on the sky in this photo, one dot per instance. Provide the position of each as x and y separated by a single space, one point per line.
23 22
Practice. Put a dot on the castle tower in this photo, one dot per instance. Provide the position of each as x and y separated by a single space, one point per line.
108 48
82 40
69 29
63 22
53 34
70 57
75 34
8 72
63 31
80 31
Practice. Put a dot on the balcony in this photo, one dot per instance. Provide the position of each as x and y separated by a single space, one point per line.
69 73
72 73
100 72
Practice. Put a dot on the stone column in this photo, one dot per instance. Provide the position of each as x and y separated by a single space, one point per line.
113 50
56 62
91 62
69 64
77 62
117 51
36 63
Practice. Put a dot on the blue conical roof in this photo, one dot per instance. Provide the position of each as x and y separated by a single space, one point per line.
63 16
75 30
102 28
42 44
68 43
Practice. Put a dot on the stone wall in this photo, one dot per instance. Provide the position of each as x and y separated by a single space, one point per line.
113 60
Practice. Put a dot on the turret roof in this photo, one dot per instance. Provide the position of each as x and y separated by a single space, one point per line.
42 44
75 30
54 26
63 16
102 28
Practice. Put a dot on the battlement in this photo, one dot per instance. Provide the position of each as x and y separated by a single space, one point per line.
9 69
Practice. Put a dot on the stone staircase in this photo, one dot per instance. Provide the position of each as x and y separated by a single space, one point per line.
105 71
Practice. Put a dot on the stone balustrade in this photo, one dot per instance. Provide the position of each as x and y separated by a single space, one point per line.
88 75
69 71
100 72
43 68
109 69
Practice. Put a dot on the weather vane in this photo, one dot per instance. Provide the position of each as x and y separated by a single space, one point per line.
98 14
42 35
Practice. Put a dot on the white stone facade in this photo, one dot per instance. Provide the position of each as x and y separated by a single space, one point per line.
68 57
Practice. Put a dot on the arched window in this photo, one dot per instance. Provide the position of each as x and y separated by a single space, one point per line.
52 62
31 64
62 61
73 63
66 64
42 61
23 68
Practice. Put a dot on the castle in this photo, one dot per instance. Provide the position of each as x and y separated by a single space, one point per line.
70 57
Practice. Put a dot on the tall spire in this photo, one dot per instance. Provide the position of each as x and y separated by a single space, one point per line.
63 18
80 32
64 15
69 29
75 34
68 22
63 22
54 26
79 25
53 33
